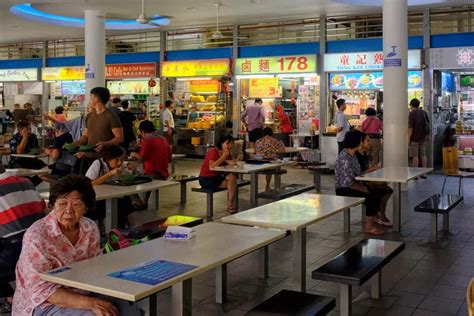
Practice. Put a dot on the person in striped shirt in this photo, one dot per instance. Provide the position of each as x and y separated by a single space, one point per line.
20 206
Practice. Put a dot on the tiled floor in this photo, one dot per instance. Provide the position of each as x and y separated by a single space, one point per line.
422 280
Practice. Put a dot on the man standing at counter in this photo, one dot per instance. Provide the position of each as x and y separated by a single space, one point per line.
342 124
418 133
255 116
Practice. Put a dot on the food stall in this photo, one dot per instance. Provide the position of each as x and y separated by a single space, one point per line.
287 81
19 86
358 78
67 88
200 90
453 101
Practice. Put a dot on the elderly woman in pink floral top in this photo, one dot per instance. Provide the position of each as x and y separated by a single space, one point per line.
62 237
269 147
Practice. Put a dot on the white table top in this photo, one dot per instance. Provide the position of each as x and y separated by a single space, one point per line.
305 135
177 156
250 168
107 191
21 172
394 174
294 213
29 156
214 244
288 150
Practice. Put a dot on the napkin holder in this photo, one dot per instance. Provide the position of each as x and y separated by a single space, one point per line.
179 233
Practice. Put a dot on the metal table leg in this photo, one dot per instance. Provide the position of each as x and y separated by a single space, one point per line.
446 223
299 259
153 305
181 298
173 166
155 199
397 209
434 228
183 193
347 220
221 283
345 300
377 285
253 189
111 214
317 180
263 254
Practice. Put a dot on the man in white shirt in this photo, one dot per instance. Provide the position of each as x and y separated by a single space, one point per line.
342 124
168 122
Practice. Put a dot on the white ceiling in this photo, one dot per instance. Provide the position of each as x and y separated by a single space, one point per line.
185 12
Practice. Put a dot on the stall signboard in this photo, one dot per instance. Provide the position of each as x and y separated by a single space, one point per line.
203 86
276 65
63 73
264 88
127 71
195 68
18 75
367 61
467 80
369 81
132 87
73 87
452 58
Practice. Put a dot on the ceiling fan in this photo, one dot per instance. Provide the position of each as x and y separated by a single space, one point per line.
143 18
217 34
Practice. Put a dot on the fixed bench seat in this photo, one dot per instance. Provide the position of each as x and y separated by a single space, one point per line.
183 181
357 265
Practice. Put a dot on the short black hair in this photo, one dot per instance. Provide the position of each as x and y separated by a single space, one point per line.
340 102
223 139
168 103
116 100
258 100
267 131
102 93
59 110
415 103
113 152
361 135
352 139
23 124
370 112
124 104
146 127
70 183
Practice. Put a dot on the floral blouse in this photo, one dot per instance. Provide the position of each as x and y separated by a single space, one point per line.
347 169
45 248
269 147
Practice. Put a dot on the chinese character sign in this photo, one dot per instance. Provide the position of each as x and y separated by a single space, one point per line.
124 71
276 65
196 68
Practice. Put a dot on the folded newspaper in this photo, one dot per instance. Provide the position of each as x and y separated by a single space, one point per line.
179 233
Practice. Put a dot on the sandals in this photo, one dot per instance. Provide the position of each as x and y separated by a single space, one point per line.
232 210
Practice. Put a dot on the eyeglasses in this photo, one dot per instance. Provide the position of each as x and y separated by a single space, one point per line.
62 204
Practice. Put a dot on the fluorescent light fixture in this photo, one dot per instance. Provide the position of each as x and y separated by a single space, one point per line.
27 11
303 75
253 76
194 78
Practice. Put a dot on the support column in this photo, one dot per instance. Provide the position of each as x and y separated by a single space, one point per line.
395 76
236 87
323 99
95 50
45 96
427 79
163 85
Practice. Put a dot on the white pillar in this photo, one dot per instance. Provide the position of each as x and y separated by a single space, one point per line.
95 50
395 94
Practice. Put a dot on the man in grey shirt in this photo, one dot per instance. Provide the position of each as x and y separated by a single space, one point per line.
342 124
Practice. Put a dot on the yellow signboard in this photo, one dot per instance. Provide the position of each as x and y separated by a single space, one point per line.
63 73
276 65
195 68
264 88
200 86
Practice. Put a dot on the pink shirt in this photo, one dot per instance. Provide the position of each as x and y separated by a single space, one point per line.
372 125
45 248
255 115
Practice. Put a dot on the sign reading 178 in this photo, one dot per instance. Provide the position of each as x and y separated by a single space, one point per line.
287 63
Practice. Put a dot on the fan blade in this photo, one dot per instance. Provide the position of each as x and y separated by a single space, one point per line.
159 17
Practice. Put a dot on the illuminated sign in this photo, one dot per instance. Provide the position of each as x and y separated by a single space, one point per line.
276 65
369 81
132 87
12 75
199 86
196 68
125 71
264 88
63 73
365 61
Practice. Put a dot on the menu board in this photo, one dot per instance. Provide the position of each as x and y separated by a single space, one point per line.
308 108
73 87
264 88
132 87
369 81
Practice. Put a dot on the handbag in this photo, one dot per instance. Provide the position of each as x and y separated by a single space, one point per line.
116 241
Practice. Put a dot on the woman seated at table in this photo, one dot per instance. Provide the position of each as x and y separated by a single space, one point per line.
24 142
268 146
347 169
105 169
212 179
61 238
379 189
